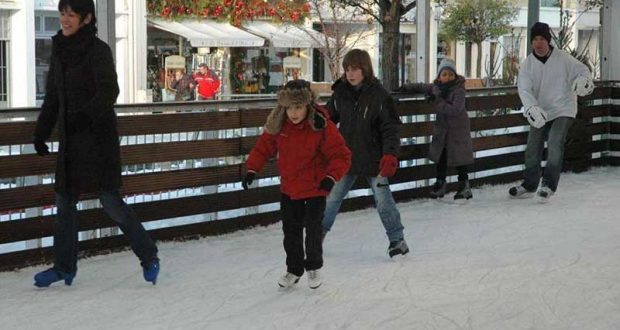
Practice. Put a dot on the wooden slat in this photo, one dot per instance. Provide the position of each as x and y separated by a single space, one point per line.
32 164
416 129
497 122
16 133
414 107
21 132
499 141
591 111
254 118
414 151
614 128
27 164
492 102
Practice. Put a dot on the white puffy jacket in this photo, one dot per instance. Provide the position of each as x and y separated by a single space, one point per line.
549 85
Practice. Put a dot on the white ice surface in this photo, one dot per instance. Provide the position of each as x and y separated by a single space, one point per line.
493 263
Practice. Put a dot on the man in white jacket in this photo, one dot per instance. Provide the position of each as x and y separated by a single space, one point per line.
549 80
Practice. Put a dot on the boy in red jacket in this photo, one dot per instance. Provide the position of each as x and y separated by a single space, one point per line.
311 157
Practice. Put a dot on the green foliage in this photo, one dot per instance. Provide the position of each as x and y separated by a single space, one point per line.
478 20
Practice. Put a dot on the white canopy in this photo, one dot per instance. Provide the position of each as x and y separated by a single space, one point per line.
208 33
285 35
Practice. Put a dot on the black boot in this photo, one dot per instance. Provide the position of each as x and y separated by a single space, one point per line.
464 191
439 189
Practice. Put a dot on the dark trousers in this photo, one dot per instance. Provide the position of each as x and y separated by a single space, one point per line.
442 168
295 215
554 132
66 229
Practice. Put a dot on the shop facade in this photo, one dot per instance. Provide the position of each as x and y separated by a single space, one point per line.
255 58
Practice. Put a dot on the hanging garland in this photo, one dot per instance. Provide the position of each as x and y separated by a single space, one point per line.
233 11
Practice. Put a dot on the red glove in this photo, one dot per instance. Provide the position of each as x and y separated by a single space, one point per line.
388 165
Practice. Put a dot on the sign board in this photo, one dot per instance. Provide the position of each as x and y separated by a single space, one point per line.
291 62
175 62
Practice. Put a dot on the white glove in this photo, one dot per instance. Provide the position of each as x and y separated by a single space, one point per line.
583 86
536 116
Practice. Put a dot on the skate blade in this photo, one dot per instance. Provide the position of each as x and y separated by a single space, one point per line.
523 196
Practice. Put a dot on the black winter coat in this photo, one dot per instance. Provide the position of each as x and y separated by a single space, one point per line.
369 124
80 94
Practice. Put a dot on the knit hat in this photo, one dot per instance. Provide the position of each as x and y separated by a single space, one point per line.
540 29
446 63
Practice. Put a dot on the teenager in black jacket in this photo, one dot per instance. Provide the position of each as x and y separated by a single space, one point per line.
370 125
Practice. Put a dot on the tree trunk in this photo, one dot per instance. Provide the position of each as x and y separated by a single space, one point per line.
389 48
479 54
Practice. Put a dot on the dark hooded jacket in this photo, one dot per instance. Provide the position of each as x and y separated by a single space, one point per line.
368 122
452 125
80 94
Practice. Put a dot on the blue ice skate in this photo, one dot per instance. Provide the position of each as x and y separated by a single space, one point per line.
45 278
150 270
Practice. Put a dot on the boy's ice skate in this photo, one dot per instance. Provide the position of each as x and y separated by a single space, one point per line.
520 192
287 280
544 193
314 279
398 247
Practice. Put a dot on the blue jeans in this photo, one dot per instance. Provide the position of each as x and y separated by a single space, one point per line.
386 206
66 229
555 133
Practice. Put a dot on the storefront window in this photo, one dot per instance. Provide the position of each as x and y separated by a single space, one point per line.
46 26
264 70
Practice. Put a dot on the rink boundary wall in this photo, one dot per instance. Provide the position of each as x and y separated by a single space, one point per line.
591 143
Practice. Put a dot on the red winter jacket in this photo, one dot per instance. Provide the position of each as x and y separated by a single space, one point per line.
306 155
208 85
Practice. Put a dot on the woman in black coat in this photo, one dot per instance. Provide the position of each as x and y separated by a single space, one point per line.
80 94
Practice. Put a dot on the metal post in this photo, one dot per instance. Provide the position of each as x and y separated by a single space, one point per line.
423 18
106 23
533 15
610 44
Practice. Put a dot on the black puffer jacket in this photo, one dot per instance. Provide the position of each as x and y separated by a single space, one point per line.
368 123
80 94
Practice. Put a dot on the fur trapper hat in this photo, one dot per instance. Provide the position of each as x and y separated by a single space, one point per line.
294 92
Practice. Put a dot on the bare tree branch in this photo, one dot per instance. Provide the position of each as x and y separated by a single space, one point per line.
409 7
366 8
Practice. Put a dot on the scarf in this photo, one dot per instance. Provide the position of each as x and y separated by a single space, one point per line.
445 88
72 49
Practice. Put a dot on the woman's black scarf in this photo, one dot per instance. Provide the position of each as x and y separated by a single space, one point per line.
445 88
72 49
